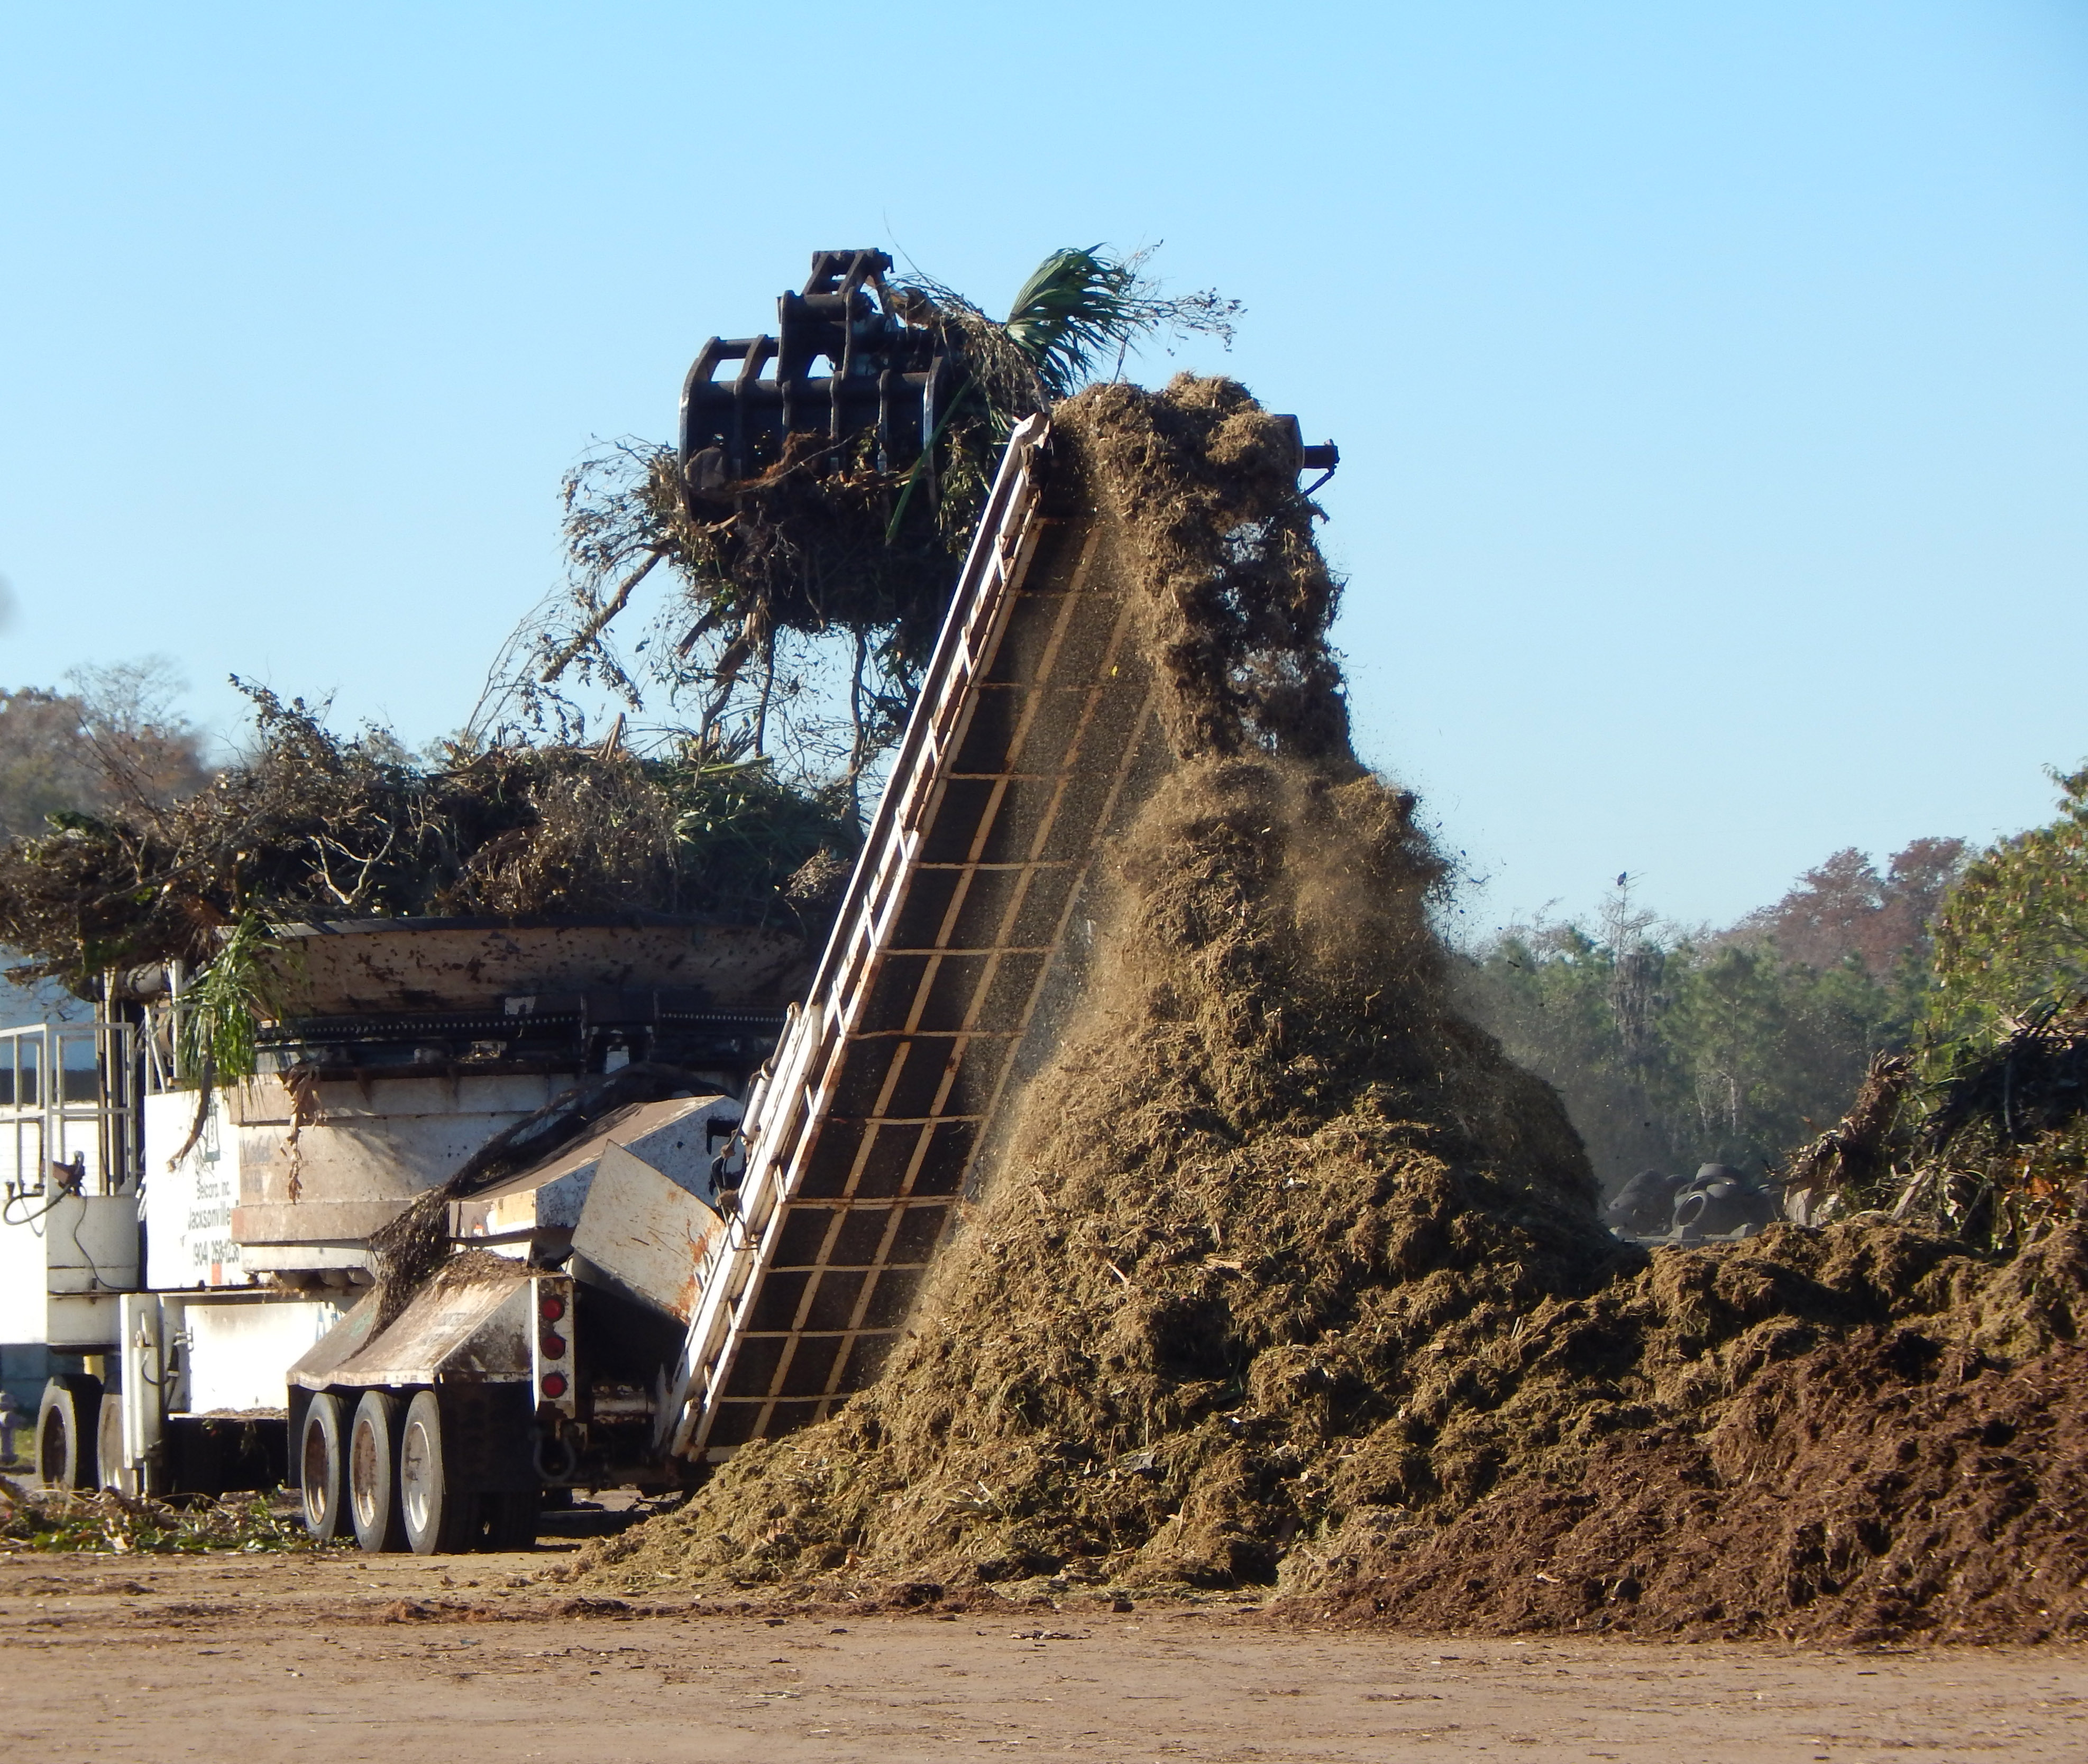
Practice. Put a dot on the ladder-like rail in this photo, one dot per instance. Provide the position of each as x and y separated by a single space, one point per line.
1032 724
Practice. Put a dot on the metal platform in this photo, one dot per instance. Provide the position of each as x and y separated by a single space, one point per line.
1020 759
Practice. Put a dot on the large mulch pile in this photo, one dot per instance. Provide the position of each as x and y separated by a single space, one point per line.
1289 1280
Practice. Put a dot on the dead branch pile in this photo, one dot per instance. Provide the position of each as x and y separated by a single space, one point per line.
824 562
314 824
1994 1151
48 1519
821 539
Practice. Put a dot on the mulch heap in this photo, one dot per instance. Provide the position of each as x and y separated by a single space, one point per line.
1291 1281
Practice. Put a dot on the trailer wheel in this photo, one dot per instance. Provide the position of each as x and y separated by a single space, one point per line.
323 1469
113 1474
68 1420
441 1518
511 1520
372 1473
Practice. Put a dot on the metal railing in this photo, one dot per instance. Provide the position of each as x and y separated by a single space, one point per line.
784 1112
69 1108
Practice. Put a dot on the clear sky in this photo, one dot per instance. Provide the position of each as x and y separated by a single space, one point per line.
1708 378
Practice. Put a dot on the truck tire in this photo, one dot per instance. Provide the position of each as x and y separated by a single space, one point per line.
109 1446
440 1518
322 1469
372 1473
511 1520
68 1421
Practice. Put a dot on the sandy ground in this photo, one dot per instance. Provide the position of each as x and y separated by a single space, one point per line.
458 1659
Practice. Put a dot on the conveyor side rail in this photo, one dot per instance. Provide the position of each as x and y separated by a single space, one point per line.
1015 765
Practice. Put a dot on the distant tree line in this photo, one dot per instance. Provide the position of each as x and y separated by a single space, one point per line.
113 741
1675 1048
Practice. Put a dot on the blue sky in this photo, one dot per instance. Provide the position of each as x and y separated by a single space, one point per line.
1709 378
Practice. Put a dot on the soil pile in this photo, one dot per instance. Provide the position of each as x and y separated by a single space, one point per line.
1862 1432
1289 1278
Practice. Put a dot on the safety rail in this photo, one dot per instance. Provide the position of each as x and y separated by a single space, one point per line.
785 1105
1022 758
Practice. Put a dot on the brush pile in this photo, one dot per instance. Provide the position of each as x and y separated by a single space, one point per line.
40 1520
1992 1150
1289 1280
313 824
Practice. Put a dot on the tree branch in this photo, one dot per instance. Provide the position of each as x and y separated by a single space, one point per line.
594 626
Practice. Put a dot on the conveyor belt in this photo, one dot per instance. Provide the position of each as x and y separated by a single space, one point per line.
1032 724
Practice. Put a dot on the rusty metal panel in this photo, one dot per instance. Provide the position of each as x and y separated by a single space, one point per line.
1034 720
472 1327
354 967
646 1232
309 1190
312 1223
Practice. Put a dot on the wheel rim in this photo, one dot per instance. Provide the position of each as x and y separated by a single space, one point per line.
416 1467
317 1478
366 1475
51 1452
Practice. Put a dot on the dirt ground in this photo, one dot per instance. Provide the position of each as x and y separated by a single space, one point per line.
463 1658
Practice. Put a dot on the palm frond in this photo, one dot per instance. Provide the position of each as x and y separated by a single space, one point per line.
1080 304
1074 308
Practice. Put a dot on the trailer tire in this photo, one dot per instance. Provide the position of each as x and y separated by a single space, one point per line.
111 1471
372 1473
440 1518
323 1469
68 1424
510 1521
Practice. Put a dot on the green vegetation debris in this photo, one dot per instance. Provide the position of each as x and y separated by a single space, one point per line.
40 1520
316 825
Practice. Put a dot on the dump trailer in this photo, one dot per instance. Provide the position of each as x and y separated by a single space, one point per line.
176 1249
534 1359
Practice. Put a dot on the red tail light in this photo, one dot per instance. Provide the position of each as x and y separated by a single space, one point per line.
554 1385
552 1308
553 1345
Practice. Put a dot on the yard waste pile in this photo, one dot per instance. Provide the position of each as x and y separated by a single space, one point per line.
1994 1146
47 1519
1288 1279
312 824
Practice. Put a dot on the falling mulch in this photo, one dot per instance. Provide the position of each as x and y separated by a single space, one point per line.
1289 1281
